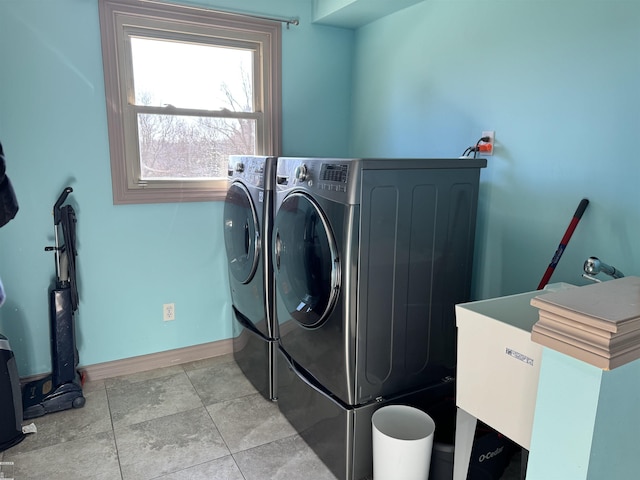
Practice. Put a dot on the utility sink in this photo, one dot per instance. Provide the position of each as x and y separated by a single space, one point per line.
498 364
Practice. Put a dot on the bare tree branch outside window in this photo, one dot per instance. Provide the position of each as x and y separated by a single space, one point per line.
196 147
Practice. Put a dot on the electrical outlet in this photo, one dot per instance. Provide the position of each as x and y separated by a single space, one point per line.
169 312
486 148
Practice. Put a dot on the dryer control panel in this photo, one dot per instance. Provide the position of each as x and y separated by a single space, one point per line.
329 178
333 177
334 172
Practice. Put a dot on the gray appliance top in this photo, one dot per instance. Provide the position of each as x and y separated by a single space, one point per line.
253 170
338 179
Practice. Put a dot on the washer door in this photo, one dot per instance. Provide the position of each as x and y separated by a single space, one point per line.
241 233
305 260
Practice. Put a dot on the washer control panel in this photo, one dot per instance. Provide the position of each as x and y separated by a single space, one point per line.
248 168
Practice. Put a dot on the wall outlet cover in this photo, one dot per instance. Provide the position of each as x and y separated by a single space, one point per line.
168 312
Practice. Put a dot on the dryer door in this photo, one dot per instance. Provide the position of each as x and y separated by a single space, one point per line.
305 260
241 233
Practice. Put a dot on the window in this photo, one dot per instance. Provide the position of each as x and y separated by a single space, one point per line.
186 87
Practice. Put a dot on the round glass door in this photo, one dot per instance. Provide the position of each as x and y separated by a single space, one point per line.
305 260
241 233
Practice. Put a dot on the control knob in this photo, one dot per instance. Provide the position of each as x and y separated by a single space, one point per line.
239 167
301 172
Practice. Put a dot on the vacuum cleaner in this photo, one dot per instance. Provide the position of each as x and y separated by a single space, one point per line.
62 389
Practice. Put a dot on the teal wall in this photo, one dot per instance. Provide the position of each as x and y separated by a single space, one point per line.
558 81
132 258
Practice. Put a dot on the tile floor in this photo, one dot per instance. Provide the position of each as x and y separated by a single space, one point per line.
201 420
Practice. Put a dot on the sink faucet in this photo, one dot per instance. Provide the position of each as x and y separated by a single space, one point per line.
593 266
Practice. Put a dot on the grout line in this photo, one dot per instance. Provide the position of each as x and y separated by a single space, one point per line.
113 431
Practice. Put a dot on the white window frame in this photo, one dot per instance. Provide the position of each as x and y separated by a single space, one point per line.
121 18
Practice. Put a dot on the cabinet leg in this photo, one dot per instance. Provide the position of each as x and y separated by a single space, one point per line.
465 431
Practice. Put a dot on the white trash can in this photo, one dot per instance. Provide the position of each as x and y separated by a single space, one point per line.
402 443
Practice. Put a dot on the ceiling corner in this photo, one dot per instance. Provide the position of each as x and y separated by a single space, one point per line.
355 13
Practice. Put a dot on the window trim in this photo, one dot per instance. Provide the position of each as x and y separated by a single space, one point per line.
120 16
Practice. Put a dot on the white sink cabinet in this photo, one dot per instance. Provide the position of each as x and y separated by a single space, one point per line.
497 370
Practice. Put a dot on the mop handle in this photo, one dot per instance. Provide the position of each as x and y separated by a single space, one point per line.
563 243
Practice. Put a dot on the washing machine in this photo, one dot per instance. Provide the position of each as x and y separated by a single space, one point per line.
370 257
248 220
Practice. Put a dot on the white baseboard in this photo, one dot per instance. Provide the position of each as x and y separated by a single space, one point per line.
151 361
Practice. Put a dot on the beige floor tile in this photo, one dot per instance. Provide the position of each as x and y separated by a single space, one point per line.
90 458
154 425
224 468
220 382
249 421
168 444
69 425
132 403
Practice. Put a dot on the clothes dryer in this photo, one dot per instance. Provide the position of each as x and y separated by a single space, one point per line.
248 213
370 257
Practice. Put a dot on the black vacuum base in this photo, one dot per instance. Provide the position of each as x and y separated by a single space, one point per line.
40 398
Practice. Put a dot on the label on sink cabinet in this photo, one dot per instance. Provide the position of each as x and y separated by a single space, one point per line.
519 356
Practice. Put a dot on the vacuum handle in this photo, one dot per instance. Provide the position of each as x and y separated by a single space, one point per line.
61 199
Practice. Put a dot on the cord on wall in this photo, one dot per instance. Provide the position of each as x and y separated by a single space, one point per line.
484 144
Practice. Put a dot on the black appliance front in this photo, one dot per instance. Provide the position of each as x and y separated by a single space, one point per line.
341 434
311 306
247 219
242 238
255 355
366 293
306 260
